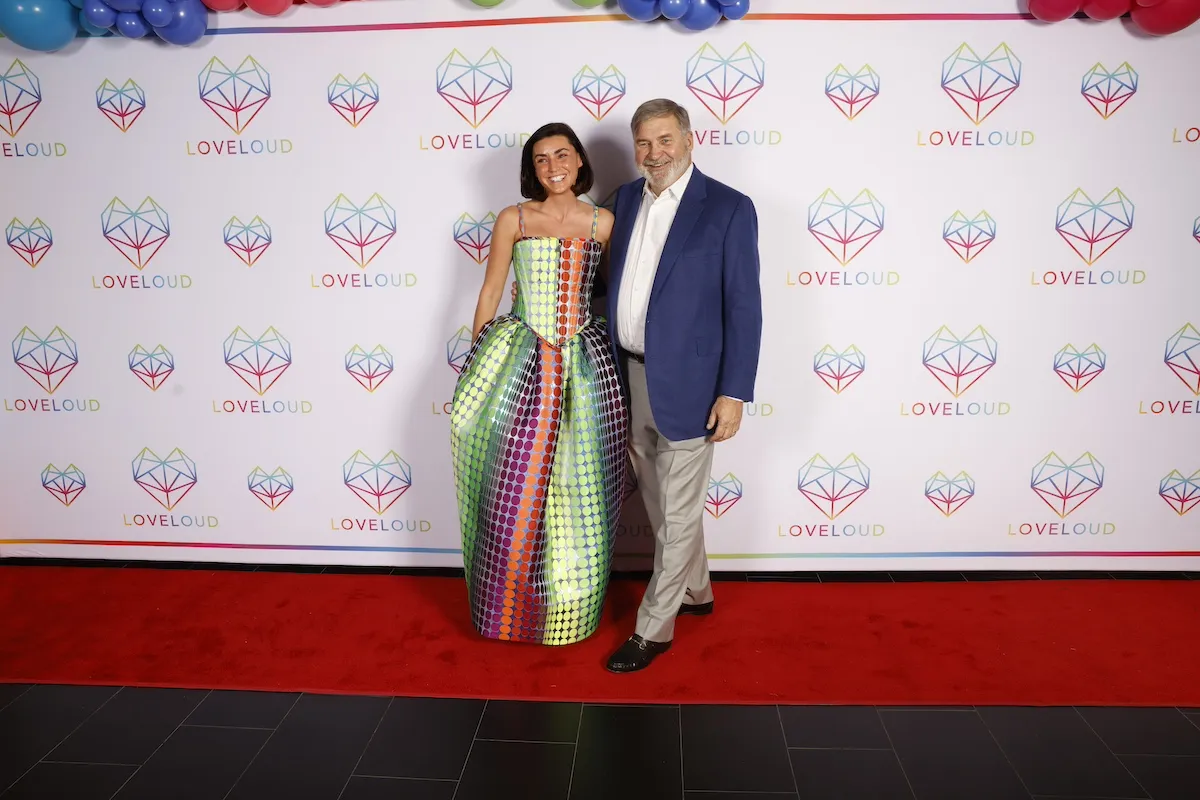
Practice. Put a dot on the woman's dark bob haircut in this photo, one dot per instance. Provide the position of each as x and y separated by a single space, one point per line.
531 187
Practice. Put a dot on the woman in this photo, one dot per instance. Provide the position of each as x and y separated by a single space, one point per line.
538 429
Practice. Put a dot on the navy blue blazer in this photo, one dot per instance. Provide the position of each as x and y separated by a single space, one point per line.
704 321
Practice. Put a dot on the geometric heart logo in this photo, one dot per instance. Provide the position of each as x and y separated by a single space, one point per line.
48 361
839 370
1181 492
959 363
369 368
137 235
949 494
353 100
1196 229
31 242
377 483
122 105
722 494
65 484
845 229
598 92
247 240
20 96
852 92
272 488
458 348
978 86
258 361
1183 356
236 96
1093 227
474 89
833 489
475 236
968 237
1107 91
152 367
1078 368
167 480
724 85
360 231
1065 487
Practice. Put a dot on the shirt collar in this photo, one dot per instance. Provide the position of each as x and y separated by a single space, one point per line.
675 190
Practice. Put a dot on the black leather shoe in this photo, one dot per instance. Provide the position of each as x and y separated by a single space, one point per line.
699 609
635 654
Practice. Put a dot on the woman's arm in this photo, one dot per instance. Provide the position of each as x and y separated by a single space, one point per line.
504 233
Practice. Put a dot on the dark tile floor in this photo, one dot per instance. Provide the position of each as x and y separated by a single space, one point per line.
94 743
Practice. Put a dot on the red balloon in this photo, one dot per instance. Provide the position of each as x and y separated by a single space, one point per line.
1106 9
1166 17
1146 3
223 5
1054 10
269 8
322 3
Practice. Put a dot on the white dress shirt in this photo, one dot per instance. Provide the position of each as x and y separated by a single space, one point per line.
655 217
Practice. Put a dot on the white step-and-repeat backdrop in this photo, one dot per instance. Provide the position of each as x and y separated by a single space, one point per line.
238 279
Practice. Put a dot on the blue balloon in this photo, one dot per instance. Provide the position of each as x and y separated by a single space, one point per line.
43 25
189 22
702 15
99 14
89 28
130 6
77 3
131 25
157 12
641 10
735 9
674 9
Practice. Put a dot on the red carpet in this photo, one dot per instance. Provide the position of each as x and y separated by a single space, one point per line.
1027 643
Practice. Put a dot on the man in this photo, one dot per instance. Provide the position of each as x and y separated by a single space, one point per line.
685 317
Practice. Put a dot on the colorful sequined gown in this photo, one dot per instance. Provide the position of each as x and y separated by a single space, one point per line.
538 436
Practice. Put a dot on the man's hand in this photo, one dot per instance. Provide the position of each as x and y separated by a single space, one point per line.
725 419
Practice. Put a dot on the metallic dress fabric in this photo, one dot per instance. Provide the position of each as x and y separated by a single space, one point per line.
538 437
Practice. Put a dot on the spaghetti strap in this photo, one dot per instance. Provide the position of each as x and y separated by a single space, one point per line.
595 219
521 218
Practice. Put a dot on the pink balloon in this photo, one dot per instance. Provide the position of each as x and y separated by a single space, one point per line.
1106 9
269 8
1166 17
223 5
1054 10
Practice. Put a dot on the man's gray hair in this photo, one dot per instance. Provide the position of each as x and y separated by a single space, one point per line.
661 107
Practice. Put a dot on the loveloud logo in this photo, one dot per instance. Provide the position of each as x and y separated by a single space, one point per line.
722 495
369 368
236 96
152 367
1181 492
978 86
1092 228
20 96
724 85
844 229
831 490
379 484
949 494
361 232
138 235
1181 356
272 488
474 89
353 100
852 92
598 92
1106 92
260 362
121 105
168 480
1064 487
64 484
839 370
474 236
30 242
969 236
247 240
957 363
458 350
47 361
1078 368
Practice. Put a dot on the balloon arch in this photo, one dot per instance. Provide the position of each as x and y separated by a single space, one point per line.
49 25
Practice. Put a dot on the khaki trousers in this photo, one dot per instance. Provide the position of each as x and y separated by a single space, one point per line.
673 477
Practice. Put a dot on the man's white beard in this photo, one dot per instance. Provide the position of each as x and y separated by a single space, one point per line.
678 167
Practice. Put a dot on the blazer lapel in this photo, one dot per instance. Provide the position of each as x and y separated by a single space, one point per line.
690 206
